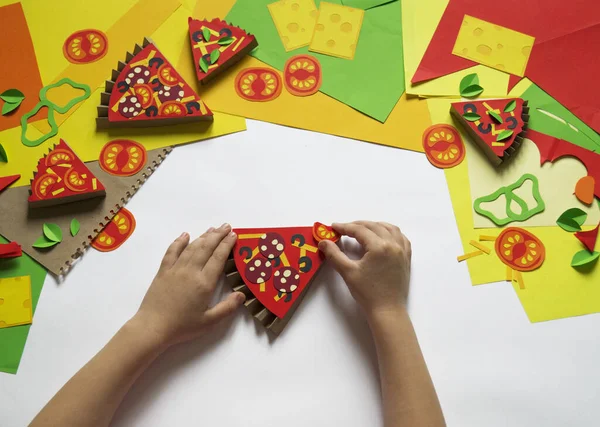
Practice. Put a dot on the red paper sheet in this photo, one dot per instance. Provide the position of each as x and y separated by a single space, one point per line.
564 60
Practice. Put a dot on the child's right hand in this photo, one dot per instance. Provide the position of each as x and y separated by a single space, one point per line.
378 281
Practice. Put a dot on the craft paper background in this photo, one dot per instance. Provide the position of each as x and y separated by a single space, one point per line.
18 65
419 21
371 83
12 340
556 182
553 291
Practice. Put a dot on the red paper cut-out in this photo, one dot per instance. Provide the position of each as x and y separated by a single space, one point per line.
10 250
116 232
443 146
61 177
85 46
232 42
519 249
5 181
122 157
302 75
324 232
258 84
277 264
588 238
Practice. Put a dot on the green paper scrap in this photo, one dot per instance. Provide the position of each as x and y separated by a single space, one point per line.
468 80
472 91
75 227
225 41
505 134
206 34
371 83
53 232
214 56
471 117
510 106
365 4
509 193
572 129
7 108
496 117
43 242
12 340
3 155
584 258
203 64
572 219
12 96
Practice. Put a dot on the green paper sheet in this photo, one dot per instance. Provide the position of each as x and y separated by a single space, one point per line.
372 82
539 100
365 4
12 340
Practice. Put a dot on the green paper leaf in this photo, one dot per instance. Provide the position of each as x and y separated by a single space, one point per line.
75 227
510 106
505 134
206 34
42 242
572 219
225 41
470 80
584 257
7 108
203 65
472 91
12 96
214 56
471 117
496 116
3 155
53 232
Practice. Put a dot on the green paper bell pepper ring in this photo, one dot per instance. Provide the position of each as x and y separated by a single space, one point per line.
53 126
45 102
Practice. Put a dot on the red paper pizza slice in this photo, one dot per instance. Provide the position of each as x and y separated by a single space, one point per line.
61 177
497 125
148 91
275 267
206 37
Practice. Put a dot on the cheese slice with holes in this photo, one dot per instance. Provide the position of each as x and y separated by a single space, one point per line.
15 301
295 21
337 30
493 45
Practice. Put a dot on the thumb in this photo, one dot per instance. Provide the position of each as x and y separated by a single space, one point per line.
334 254
225 308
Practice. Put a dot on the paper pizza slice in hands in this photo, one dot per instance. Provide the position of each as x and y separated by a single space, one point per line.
61 177
207 37
146 90
274 268
497 125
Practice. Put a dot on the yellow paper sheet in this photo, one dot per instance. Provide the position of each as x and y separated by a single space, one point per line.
556 184
295 21
493 45
420 18
337 30
15 301
555 290
141 20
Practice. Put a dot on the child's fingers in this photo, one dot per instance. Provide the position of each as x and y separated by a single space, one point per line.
174 250
204 249
225 308
216 263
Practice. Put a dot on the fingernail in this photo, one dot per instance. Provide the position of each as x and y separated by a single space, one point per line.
183 235
210 229
226 226
232 235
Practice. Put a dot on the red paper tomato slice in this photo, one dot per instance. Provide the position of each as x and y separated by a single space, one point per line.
167 76
144 95
172 109
76 181
45 185
443 146
258 84
520 249
302 75
324 232
123 157
116 232
59 156
85 46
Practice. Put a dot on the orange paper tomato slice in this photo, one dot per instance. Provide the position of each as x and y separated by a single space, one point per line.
302 75
123 157
85 46
443 146
258 84
116 232
167 76
76 181
324 232
59 156
143 94
44 185
520 249
172 109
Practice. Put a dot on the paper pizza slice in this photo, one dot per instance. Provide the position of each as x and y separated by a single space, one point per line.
497 125
146 90
206 37
274 268
61 177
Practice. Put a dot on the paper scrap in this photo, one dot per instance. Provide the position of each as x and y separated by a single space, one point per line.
3 155
15 301
588 238
75 225
295 21
584 190
584 258
572 219
337 30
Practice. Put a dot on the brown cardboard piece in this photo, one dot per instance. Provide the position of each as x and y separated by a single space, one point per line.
23 225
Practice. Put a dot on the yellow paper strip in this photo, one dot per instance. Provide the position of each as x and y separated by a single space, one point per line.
480 247
518 279
509 274
493 45
487 238
465 257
